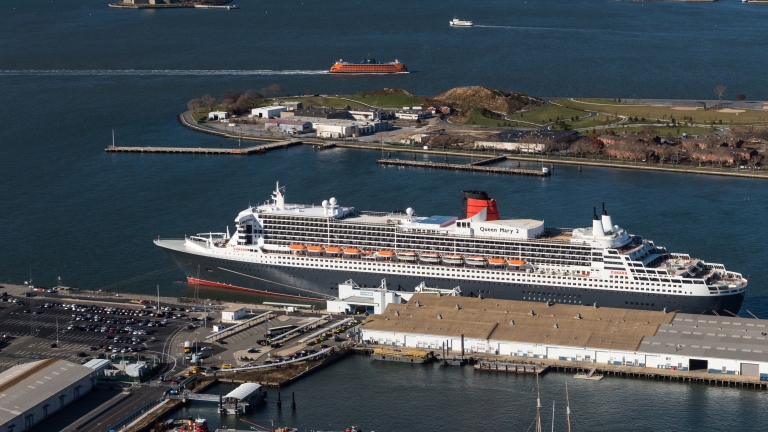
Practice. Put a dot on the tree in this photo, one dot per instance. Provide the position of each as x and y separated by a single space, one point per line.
755 160
208 102
741 96
720 91
246 101
194 105
230 99
273 90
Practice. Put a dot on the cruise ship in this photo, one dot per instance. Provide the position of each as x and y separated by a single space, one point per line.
302 251
368 66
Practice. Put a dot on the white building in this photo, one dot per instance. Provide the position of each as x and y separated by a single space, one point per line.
136 370
218 115
650 339
32 392
98 365
353 298
268 111
232 313
411 115
521 147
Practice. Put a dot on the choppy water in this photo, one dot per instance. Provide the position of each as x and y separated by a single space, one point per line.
70 72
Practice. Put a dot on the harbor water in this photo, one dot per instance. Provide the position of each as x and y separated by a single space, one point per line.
74 71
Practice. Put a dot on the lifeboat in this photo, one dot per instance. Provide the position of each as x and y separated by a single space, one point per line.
497 261
430 257
315 249
351 251
453 259
476 260
515 263
385 254
367 253
333 250
297 248
407 256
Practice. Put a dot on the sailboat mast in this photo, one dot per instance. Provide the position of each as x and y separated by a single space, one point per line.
553 416
538 406
568 407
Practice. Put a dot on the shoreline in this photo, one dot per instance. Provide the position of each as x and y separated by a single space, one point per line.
123 5
455 152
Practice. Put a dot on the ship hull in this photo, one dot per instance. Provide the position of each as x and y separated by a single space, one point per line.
316 285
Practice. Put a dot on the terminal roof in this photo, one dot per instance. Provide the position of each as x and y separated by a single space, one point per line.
243 391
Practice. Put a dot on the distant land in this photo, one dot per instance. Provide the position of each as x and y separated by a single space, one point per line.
166 4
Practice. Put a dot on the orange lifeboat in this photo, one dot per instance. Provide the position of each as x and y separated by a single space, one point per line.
385 254
476 260
453 259
430 257
333 250
516 262
407 256
297 247
497 261
352 251
315 249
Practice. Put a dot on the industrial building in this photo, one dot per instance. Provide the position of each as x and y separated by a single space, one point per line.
650 339
31 392
320 113
268 111
369 114
292 106
353 298
528 141
411 115
289 125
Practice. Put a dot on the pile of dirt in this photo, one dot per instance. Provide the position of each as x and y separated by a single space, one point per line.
386 92
466 99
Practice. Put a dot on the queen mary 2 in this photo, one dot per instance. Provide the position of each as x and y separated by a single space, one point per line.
304 252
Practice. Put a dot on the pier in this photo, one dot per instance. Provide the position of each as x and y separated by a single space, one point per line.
508 367
474 166
262 148
489 160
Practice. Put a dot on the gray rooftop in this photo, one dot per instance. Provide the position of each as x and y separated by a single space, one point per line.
25 386
712 337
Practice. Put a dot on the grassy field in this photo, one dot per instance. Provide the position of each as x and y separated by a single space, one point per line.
600 120
397 100
662 131
666 113
317 101
199 115
547 114
477 119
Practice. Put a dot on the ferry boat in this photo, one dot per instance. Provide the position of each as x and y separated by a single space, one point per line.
455 22
369 66
297 251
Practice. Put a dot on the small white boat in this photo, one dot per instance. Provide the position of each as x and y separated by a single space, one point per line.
455 22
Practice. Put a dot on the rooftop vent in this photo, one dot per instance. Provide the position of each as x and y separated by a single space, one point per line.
397 313
578 316
555 325
594 305
418 303
531 313
439 316
511 322
458 307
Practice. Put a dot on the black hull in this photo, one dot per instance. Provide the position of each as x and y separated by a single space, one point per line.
318 284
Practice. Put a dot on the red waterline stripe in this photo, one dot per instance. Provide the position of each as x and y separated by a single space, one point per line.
191 280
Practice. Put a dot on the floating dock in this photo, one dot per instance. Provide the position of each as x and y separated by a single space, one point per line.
473 166
262 148
506 367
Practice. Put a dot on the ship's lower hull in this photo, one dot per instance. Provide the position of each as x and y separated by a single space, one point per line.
311 284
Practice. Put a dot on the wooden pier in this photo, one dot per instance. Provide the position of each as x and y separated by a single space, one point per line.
464 167
489 160
262 148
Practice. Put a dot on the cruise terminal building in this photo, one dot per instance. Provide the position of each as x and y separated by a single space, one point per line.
650 339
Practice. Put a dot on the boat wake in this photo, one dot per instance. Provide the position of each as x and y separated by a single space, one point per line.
156 72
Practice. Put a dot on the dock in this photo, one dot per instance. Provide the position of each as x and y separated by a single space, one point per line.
465 167
402 355
262 148
489 160
508 367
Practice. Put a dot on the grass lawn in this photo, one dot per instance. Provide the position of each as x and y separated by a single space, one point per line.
477 119
547 113
317 101
397 100
199 115
662 131
600 120
665 113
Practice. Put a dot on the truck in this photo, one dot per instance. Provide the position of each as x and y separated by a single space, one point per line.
187 347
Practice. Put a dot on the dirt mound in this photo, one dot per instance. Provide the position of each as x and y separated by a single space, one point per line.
387 91
466 99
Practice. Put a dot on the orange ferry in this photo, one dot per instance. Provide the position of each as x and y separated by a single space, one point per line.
369 66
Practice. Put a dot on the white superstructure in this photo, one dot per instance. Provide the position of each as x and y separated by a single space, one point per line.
455 22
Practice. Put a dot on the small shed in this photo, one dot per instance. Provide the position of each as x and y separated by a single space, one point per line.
136 370
233 313
218 115
292 105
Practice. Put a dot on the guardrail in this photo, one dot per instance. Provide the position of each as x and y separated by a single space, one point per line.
136 414
318 333
298 329
321 353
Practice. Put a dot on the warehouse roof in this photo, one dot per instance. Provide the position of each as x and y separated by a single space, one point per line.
511 320
243 391
25 386
711 336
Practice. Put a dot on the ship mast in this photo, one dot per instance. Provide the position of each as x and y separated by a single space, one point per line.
568 407
538 406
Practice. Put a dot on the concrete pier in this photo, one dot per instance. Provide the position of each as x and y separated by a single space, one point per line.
464 167
263 148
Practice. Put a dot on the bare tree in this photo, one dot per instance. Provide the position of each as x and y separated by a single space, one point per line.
249 99
741 96
720 91
754 161
194 105
273 90
209 102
